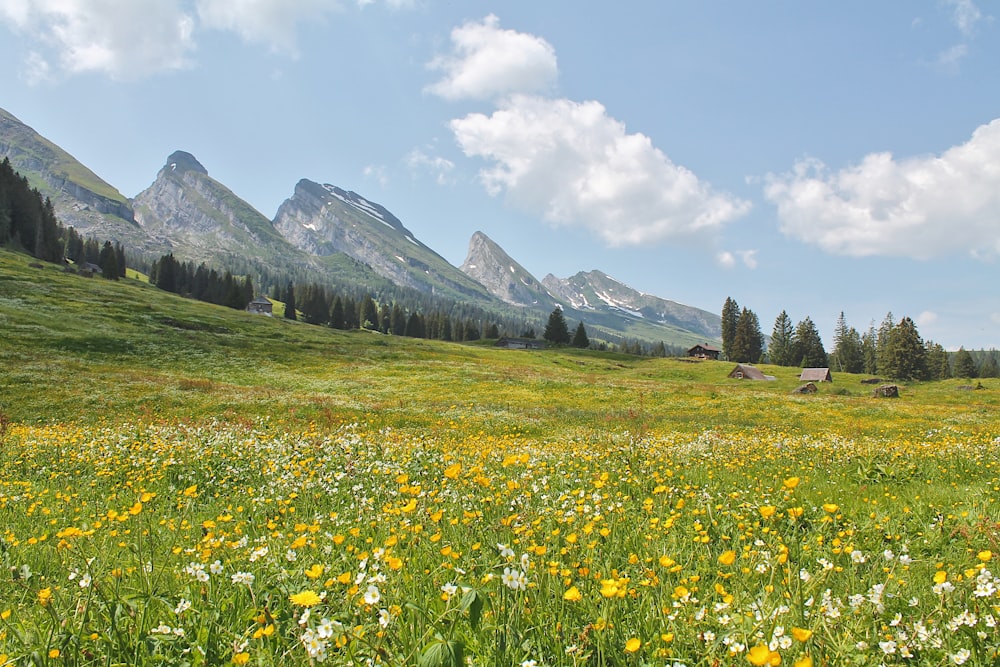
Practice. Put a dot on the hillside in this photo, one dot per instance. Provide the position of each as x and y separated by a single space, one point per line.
96 350
81 198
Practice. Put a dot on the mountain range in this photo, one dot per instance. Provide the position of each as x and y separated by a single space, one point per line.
323 233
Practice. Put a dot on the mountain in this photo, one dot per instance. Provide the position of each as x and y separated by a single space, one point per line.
81 198
327 235
325 220
188 212
598 293
489 265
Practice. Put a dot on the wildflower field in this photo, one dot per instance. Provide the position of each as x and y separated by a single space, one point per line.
183 485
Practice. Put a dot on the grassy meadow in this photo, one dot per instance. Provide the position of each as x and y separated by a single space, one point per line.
185 484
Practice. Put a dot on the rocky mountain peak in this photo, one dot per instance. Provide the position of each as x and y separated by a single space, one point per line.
183 161
490 265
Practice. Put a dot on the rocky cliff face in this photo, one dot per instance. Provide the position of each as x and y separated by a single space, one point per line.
324 220
188 211
80 198
489 265
598 292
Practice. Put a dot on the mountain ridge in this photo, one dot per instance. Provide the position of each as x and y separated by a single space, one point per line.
331 233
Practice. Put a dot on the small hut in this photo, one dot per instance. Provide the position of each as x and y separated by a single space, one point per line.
748 372
511 343
261 306
816 375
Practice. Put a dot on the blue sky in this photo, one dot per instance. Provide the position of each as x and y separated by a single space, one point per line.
807 157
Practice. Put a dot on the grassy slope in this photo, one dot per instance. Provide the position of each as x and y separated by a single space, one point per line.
61 162
94 350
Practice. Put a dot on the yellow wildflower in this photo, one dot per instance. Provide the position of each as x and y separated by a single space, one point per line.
633 645
727 557
305 599
572 594
802 634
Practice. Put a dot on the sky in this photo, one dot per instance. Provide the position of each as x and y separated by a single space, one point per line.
815 158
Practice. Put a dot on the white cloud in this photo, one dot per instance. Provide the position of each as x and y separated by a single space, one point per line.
951 57
37 69
377 173
727 259
965 15
574 165
926 318
270 22
125 39
440 167
391 4
487 62
919 207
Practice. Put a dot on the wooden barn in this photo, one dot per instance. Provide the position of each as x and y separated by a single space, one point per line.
748 372
705 351
261 306
816 375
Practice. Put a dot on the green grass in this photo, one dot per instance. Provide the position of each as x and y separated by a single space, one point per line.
77 348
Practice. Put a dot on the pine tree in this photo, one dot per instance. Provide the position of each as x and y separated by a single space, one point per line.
415 326
905 356
398 321
965 366
807 346
989 367
337 320
580 338
848 355
869 350
109 262
120 258
557 331
748 343
369 313
937 362
385 319
780 350
882 343
289 300
471 331
730 318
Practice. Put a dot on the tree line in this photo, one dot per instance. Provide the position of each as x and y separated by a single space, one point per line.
893 349
27 220
201 283
28 223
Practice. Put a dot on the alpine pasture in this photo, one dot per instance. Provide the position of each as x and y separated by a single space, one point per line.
185 484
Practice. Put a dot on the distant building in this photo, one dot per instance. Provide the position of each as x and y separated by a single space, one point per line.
88 269
705 351
510 343
261 306
748 372
816 375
